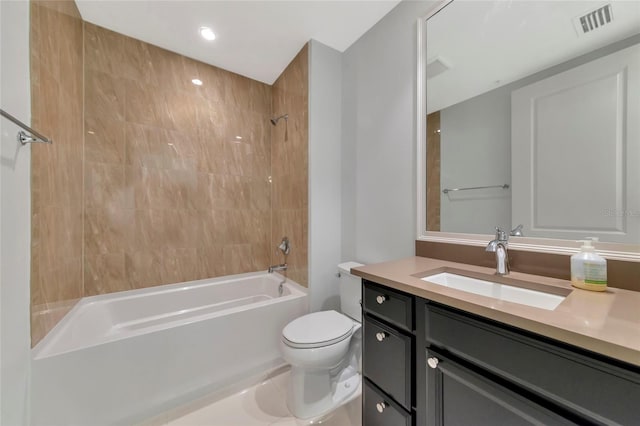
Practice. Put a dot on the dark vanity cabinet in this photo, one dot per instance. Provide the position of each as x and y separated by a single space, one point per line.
464 369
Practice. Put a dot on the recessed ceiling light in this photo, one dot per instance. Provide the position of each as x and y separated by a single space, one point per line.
197 82
239 137
207 33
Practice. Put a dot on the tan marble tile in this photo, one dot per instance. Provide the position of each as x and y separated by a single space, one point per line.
180 265
146 146
214 228
214 82
105 187
107 230
147 233
260 193
147 105
290 192
103 49
238 226
70 54
104 95
181 189
182 228
59 236
167 69
50 39
146 187
210 194
236 192
237 258
143 268
183 151
104 273
48 99
211 261
104 140
260 255
64 282
183 108
137 64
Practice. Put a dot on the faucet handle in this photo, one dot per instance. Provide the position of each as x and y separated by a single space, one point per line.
517 231
500 234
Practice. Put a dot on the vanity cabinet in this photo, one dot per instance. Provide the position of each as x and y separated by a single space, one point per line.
444 366
388 361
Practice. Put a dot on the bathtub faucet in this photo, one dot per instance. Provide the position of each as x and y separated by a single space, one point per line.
281 267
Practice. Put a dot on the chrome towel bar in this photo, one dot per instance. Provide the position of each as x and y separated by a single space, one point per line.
34 137
447 190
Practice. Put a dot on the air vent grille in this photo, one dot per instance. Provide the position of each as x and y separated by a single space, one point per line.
593 20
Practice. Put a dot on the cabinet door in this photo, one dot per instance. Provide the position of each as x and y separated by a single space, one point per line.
378 410
457 396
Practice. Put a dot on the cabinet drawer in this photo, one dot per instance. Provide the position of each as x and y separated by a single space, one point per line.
602 392
391 306
387 360
378 410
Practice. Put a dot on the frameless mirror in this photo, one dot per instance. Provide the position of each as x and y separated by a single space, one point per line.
533 118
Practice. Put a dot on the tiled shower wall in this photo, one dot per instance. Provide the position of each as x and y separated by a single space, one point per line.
56 170
290 164
176 175
168 181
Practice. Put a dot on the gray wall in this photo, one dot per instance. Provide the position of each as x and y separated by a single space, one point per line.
475 143
378 138
325 117
15 216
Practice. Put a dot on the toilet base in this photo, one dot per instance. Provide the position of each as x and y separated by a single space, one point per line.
315 393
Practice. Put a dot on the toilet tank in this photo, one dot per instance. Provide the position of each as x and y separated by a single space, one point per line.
350 291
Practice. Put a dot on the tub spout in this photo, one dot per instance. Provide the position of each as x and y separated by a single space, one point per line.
281 267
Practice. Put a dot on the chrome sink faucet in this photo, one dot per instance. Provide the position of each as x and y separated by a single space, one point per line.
499 247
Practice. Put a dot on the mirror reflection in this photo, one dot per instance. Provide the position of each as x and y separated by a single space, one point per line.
533 119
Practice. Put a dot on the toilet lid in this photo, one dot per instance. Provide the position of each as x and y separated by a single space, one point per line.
317 329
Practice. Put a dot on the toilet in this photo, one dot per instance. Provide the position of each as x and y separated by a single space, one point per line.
324 349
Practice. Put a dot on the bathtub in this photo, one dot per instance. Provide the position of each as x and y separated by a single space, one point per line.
123 357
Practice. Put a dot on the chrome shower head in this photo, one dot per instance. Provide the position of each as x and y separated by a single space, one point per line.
275 120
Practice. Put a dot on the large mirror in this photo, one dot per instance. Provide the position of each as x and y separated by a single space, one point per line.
531 117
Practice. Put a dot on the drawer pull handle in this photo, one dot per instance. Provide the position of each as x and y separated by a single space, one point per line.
381 299
381 336
433 362
380 406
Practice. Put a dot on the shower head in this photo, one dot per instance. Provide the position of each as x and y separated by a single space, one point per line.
275 120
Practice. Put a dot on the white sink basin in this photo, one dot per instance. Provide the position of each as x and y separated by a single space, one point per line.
524 296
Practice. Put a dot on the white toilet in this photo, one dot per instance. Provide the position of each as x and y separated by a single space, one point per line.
324 350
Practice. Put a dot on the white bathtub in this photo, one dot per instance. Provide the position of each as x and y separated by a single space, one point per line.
118 358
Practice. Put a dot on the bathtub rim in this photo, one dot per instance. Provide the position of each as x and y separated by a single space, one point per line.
42 350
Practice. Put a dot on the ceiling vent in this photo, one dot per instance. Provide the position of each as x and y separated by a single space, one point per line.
593 20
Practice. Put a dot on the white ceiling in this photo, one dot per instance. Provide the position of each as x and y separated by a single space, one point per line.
488 44
256 39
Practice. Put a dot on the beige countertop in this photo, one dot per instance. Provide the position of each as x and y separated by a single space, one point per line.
604 322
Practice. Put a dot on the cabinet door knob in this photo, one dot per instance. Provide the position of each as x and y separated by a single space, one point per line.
381 336
433 362
380 299
380 406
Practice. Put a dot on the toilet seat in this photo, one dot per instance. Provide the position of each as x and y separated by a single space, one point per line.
317 330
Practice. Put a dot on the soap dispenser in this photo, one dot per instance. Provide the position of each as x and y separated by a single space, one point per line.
588 270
